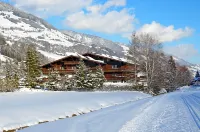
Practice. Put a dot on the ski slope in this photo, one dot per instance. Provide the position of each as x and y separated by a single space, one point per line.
174 112
27 107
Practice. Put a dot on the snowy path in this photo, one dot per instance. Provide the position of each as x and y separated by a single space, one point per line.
174 112
21 109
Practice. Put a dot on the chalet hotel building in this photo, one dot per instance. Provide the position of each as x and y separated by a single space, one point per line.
115 69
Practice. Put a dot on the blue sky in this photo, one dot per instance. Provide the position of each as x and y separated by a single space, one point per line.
175 22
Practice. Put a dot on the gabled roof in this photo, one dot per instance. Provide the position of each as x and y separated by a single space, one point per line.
76 55
115 58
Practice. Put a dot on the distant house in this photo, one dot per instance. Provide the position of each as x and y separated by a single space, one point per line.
115 69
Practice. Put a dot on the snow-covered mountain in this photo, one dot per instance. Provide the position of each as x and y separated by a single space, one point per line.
19 28
91 40
182 62
192 67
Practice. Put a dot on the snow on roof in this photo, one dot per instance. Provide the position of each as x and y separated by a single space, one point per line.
68 54
114 58
75 54
83 57
139 74
90 58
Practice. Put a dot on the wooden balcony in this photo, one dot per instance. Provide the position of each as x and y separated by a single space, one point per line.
116 78
71 62
66 71
118 70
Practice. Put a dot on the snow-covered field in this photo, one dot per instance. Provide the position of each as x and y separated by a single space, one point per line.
174 112
26 107
119 84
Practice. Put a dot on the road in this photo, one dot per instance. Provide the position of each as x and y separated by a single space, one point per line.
173 112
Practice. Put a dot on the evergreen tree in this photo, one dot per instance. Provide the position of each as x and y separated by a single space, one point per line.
32 66
197 74
171 74
88 79
8 82
15 81
8 70
100 78
81 76
67 82
53 80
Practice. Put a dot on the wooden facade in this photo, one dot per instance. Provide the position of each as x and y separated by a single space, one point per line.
114 70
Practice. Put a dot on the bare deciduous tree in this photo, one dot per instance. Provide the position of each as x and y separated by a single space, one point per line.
147 49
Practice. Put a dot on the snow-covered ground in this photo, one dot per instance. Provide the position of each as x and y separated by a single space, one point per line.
30 90
175 112
119 84
29 107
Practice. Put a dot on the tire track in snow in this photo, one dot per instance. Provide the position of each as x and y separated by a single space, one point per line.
194 95
129 126
193 113
167 114
171 116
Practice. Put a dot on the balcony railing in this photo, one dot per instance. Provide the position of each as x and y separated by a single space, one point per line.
65 71
119 70
71 62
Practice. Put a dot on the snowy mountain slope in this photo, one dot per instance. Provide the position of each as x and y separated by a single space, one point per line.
4 58
181 61
51 56
89 40
18 28
28 108
194 69
16 25
174 112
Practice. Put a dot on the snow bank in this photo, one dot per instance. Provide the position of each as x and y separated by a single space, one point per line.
188 88
117 84
173 112
24 108
30 90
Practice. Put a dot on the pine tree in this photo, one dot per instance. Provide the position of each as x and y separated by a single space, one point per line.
100 78
32 66
197 74
81 76
8 72
8 76
53 80
15 81
67 82
171 74
88 79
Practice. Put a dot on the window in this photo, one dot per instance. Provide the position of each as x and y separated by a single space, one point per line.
73 67
114 75
114 66
62 68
